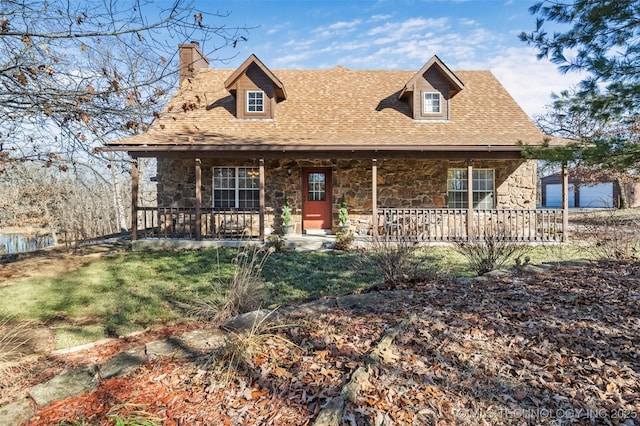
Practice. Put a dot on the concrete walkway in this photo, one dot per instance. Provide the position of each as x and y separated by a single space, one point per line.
295 241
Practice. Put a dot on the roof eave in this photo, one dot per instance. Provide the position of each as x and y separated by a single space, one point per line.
304 148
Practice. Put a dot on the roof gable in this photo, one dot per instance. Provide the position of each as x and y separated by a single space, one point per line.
454 82
280 92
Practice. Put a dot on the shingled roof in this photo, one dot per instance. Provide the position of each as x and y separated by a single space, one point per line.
339 109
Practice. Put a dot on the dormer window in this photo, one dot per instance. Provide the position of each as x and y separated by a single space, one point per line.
255 101
256 90
430 90
431 103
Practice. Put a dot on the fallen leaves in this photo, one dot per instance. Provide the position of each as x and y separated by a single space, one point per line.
559 347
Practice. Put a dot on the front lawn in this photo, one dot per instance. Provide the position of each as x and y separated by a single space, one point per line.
122 292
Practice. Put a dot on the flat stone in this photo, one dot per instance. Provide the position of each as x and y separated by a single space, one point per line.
245 322
122 363
360 300
17 412
70 384
171 347
533 269
204 339
577 263
312 307
498 273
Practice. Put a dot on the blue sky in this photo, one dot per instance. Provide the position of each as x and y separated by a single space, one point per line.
394 34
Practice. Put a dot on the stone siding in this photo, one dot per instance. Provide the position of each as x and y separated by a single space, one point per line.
401 183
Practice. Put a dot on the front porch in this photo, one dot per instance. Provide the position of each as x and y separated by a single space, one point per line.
394 224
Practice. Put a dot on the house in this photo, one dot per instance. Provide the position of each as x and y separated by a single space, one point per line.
407 149
590 189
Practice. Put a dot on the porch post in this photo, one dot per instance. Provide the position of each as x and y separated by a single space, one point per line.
565 203
198 230
470 232
134 198
262 200
374 197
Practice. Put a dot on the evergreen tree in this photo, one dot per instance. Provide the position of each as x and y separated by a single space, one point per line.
601 38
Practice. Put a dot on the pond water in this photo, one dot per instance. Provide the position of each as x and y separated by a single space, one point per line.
20 243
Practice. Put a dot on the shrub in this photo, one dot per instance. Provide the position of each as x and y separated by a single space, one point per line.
344 240
399 262
489 252
343 214
276 241
286 212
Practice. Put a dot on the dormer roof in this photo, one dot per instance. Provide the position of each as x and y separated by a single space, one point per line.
435 62
229 84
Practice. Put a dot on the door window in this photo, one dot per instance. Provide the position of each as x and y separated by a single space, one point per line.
317 188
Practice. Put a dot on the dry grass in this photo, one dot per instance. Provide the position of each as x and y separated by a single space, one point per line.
12 340
243 351
242 292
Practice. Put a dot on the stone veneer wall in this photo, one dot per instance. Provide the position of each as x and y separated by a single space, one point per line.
404 183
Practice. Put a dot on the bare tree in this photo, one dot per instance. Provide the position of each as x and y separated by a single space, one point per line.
75 74
65 64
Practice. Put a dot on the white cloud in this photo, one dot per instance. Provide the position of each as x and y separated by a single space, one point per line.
275 29
377 18
337 28
342 25
293 60
468 22
299 44
528 80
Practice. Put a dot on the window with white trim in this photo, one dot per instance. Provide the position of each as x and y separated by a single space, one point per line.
255 101
236 188
431 103
483 188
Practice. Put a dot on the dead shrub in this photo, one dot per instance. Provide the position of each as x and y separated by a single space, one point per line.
399 262
490 251
243 292
610 236
277 241
344 240
244 351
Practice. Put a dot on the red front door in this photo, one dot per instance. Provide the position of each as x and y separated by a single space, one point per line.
316 192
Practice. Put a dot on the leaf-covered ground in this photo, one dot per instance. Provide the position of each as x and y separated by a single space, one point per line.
552 348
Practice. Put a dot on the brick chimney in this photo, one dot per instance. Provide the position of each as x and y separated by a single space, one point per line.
191 59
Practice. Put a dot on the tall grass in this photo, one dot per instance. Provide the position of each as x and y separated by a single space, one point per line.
12 339
242 292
